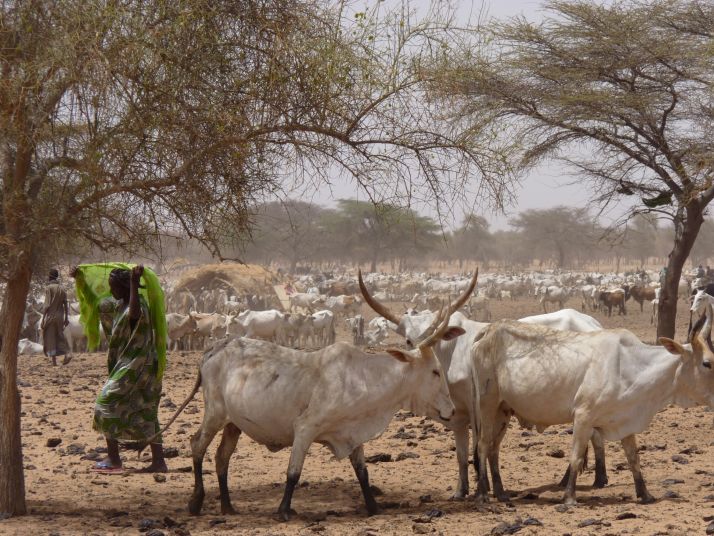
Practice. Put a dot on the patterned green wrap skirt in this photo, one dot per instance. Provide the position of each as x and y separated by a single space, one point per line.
128 405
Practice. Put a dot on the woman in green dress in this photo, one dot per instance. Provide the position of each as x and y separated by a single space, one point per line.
127 407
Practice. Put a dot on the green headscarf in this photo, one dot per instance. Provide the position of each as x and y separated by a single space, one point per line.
92 282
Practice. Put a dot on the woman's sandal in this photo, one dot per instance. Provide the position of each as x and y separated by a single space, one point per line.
106 468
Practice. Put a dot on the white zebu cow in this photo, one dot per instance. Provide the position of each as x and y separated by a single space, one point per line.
179 326
27 347
74 333
259 324
700 301
374 337
323 324
605 380
554 294
303 302
588 294
295 330
209 327
343 305
454 357
565 320
339 397
480 304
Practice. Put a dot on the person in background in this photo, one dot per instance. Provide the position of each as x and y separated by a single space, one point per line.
55 318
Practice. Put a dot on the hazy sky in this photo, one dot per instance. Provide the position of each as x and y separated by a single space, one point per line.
544 187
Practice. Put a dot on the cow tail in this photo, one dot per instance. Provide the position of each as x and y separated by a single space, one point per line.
196 386
475 420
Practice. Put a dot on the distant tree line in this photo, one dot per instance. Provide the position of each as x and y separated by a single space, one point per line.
297 234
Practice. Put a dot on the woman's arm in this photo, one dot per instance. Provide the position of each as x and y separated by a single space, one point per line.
134 307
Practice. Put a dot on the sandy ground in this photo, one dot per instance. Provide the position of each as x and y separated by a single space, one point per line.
64 497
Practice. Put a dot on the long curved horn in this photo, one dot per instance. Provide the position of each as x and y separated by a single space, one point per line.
374 304
464 297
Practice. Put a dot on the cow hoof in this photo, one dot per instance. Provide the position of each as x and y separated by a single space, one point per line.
503 497
372 511
570 501
600 483
458 496
228 510
195 504
647 499
285 515
480 498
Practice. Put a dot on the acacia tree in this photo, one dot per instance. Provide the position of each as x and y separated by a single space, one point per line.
555 233
622 91
121 122
379 232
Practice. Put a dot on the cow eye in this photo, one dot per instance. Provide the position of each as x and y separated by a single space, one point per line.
436 373
707 364
409 342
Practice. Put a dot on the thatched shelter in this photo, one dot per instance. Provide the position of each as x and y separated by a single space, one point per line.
234 277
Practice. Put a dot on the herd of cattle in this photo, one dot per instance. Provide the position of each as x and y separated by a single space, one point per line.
554 368
316 303
472 376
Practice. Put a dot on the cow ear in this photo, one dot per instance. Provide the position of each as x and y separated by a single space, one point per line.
452 332
400 355
673 347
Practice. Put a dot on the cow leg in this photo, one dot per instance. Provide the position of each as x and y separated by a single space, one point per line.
360 467
477 465
486 434
581 436
231 434
461 439
301 445
629 444
600 469
493 463
199 443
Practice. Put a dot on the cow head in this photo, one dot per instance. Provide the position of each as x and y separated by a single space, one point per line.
699 302
432 397
416 328
698 372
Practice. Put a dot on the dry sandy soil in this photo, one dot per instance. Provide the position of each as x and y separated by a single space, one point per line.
64 497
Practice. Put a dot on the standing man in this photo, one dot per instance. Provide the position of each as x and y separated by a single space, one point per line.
55 318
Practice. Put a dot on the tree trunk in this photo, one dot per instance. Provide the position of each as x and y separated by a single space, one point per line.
12 478
686 229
